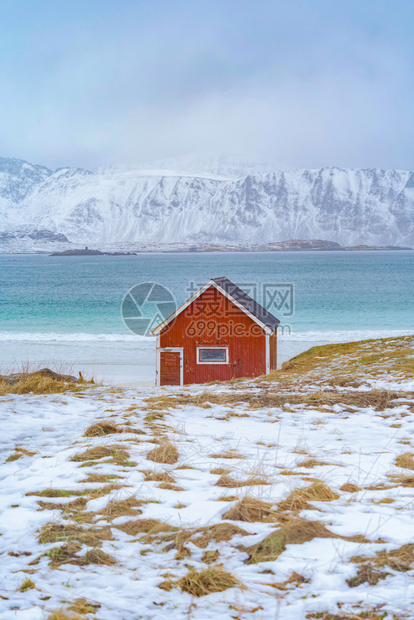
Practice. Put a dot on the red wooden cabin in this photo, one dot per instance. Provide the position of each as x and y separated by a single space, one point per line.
220 333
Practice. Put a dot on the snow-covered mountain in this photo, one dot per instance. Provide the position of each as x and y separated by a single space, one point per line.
41 209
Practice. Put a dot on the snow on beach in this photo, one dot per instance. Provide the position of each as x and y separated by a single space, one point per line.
115 522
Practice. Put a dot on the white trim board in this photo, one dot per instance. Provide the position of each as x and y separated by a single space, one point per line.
267 353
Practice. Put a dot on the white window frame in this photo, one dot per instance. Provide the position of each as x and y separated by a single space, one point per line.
201 347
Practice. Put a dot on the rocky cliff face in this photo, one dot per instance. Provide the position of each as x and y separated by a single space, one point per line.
40 208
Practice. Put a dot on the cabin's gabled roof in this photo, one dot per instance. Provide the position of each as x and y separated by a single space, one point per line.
242 300
254 308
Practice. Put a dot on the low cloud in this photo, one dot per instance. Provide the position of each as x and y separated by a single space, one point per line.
308 94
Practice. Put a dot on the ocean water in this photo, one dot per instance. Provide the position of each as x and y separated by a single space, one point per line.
66 311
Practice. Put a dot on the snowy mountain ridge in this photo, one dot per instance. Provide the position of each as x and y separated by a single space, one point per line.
39 208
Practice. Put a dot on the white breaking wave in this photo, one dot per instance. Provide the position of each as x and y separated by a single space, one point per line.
311 336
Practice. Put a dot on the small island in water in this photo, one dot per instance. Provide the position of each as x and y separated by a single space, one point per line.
88 252
293 245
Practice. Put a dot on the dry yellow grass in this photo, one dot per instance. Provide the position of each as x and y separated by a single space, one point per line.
349 487
39 381
170 487
373 569
123 507
250 509
293 532
155 403
145 526
27 585
68 554
368 614
218 471
401 480
105 427
406 460
158 476
176 538
227 454
63 614
92 478
18 453
203 582
220 532
366 574
83 607
296 531
116 452
166 453
269 397
298 498
74 509
354 360
209 557
64 532
309 463
90 493
229 482
400 559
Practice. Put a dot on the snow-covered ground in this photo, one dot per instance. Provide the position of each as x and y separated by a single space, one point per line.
249 429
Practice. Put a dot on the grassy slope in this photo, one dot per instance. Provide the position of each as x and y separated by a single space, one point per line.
300 489
351 362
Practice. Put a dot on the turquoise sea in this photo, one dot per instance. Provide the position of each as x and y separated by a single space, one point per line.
65 311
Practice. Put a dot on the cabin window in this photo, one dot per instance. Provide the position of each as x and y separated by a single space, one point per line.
212 355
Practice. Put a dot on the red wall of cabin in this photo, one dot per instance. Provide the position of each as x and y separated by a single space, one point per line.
213 320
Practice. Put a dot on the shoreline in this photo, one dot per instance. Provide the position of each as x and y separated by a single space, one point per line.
223 250
125 360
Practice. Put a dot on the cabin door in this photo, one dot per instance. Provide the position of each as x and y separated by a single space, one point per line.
171 366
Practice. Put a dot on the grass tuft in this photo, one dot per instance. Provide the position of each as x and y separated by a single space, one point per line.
310 463
207 581
296 531
39 381
145 526
68 554
68 533
229 482
250 509
123 507
116 452
106 427
298 498
27 585
349 487
166 453
158 476
228 454
170 487
62 614
406 460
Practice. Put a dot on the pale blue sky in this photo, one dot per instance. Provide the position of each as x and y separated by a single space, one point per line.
308 83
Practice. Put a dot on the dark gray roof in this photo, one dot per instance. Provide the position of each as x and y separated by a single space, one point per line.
263 315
